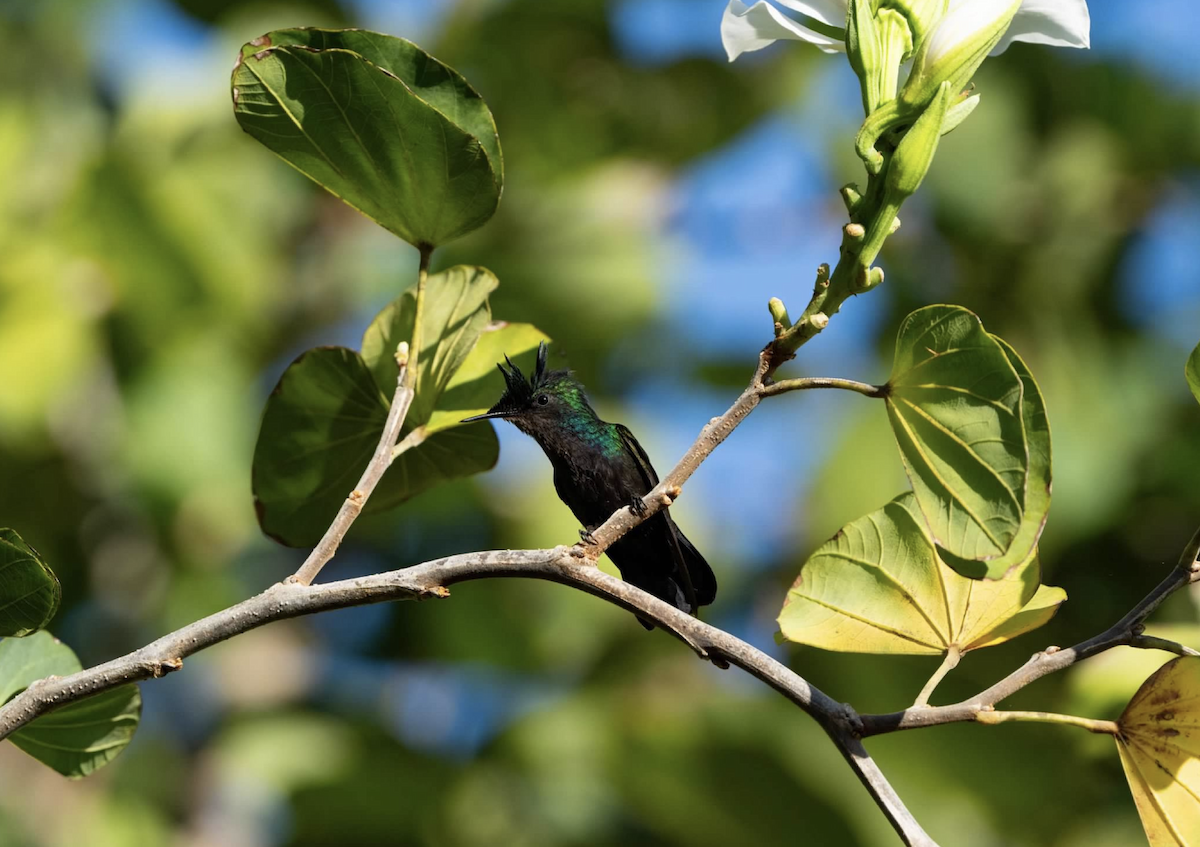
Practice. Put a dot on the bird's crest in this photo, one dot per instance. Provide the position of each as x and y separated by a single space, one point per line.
518 390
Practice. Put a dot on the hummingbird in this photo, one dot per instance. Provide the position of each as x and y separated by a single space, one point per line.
599 467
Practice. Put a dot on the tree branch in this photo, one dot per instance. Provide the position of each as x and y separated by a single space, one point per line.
565 565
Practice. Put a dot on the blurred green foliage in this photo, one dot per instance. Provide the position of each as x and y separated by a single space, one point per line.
158 269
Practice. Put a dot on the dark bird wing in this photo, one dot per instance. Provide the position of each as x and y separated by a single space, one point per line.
639 456
692 573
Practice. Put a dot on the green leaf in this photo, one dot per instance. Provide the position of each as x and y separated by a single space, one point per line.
29 590
456 312
478 384
379 123
320 428
76 739
1192 371
1037 491
22 660
879 587
954 402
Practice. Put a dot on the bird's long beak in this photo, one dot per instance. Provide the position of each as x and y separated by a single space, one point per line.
494 413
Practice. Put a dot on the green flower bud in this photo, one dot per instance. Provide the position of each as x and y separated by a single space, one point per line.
863 50
851 197
779 314
914 155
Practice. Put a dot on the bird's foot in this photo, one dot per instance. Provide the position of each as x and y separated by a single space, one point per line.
638 507
585 536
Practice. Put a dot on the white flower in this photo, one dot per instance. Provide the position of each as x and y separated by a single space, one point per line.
1059 23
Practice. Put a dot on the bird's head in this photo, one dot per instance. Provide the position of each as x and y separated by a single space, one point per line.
540 403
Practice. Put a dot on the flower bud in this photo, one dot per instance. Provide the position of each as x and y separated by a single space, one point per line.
914 154
864 51
851 197
956 47
779 314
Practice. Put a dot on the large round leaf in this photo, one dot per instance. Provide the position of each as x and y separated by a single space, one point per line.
954 401
29 590
879 587
1159 744
76 739
1037 491
321 425
379 123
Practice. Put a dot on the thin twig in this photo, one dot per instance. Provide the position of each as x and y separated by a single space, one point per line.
418 339
803 383
664 494
1153 642
988 716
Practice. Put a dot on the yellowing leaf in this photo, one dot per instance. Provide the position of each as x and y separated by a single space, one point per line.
954 401
1159 746
1037 489
879 587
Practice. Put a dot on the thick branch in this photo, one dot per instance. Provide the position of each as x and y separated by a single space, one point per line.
565 565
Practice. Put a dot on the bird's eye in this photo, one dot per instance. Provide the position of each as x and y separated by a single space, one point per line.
543 399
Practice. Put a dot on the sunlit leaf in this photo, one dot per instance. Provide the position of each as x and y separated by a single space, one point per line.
1037 491
879 587
379 123
76 739
478 383
456 312
954 401
1192 371
29 590
1159 746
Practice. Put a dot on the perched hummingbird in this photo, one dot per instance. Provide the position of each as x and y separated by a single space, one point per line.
598 468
